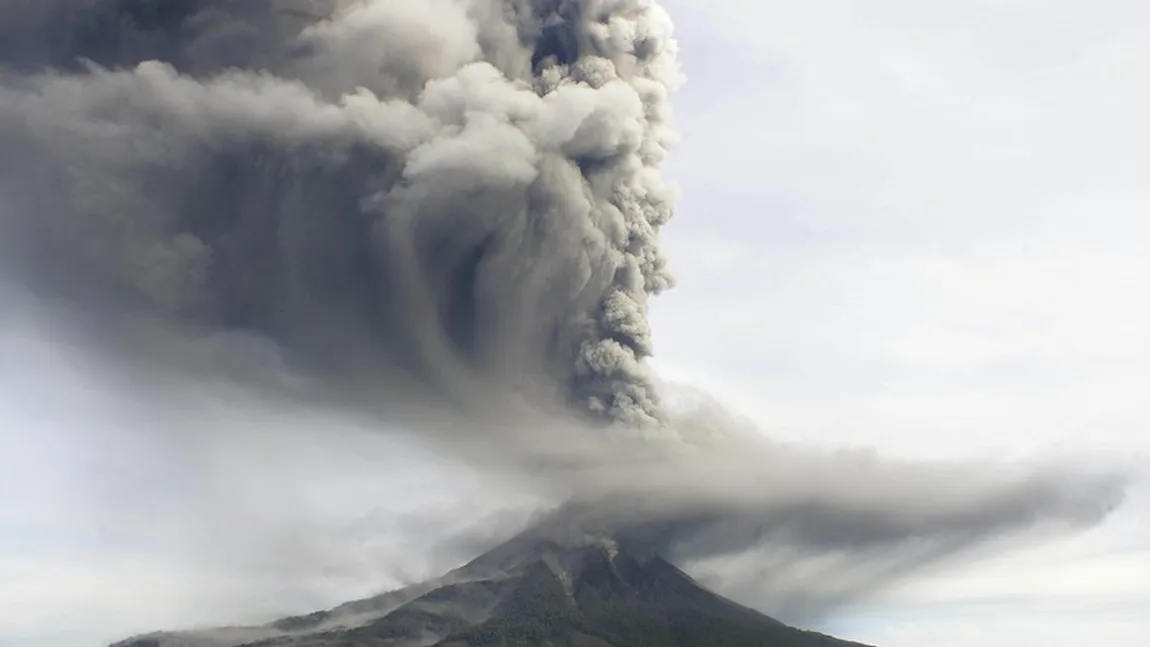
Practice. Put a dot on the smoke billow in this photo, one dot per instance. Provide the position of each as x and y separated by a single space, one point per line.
450 200
449 188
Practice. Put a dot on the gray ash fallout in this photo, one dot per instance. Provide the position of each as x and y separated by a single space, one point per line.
465 192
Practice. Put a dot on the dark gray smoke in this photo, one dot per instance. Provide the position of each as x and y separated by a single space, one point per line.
448 199
460 190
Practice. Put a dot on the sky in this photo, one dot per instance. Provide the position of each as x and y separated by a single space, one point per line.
918 227
908 227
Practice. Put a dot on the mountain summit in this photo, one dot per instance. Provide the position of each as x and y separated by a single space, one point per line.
533 591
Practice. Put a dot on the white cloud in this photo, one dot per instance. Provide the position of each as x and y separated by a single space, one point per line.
896 215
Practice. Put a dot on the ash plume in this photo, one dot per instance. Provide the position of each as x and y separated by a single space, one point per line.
450 188
455 202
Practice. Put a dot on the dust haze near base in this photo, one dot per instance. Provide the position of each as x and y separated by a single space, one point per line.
447 201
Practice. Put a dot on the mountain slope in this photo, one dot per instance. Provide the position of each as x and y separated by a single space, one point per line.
531 592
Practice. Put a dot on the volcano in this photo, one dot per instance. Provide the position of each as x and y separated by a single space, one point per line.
537 590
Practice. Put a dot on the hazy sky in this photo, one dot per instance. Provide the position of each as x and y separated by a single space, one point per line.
920 227
911 226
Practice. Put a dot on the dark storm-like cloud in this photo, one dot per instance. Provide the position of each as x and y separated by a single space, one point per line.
456 190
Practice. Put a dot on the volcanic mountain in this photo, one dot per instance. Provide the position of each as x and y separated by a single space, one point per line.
536 590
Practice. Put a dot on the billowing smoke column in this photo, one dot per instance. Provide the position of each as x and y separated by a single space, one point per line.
463 190
457 199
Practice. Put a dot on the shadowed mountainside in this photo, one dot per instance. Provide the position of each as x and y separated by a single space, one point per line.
532 591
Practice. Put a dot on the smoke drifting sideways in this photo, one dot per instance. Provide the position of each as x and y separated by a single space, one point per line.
452 203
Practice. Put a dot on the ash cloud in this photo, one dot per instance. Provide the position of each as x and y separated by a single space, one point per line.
455 202
453 188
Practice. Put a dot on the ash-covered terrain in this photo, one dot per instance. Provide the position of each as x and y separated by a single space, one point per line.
539 589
